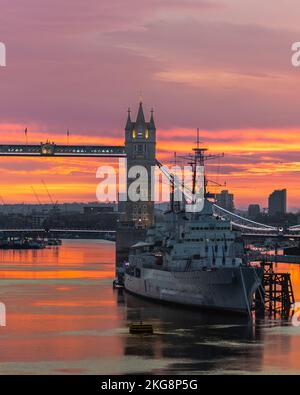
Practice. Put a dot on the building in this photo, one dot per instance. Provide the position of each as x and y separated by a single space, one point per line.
89 210
225 200
140 145
136 215
277 202
253 210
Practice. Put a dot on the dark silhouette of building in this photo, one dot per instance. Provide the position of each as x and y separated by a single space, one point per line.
277 202
253 210
225 200
98 209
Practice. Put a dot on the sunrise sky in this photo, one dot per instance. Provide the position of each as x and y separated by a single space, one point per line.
223 66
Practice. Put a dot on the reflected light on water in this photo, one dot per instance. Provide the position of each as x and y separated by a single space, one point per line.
64 317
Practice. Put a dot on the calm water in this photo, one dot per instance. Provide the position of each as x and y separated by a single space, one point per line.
64 317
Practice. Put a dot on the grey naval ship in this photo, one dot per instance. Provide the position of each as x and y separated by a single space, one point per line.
193 259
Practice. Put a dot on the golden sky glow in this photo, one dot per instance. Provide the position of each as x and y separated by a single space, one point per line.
255 163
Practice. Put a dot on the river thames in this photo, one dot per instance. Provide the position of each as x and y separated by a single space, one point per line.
63 317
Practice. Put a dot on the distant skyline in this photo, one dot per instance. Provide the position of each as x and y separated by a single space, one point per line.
79 203
222 66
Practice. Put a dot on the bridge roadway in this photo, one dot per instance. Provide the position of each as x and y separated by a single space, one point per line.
270 235
57 230
271 258
72 233
51 149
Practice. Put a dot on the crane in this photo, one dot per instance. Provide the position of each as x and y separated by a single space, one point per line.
49 195
36 195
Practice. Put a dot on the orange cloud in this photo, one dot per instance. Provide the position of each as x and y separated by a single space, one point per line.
256 162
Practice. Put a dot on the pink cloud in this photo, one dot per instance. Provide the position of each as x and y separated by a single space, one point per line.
78 65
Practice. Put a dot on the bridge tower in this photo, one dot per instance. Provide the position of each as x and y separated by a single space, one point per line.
140 147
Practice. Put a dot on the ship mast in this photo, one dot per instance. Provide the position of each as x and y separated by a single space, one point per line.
198 163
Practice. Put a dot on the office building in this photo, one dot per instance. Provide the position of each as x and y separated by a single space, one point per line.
225 200
277 202
253 210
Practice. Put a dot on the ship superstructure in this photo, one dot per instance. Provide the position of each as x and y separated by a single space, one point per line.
193 257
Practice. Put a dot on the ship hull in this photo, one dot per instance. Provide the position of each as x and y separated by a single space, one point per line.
228 289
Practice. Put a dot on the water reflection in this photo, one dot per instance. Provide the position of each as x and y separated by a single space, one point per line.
196 341
64 317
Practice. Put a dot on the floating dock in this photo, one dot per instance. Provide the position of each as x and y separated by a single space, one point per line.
141 328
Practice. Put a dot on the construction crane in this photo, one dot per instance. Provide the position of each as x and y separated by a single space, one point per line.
2 200
49 195
36 196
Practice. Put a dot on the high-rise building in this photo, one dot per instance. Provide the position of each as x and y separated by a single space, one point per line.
253 210
277 202
225 200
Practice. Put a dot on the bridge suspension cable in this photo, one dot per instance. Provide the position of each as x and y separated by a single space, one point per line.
235 219
242 222
294 228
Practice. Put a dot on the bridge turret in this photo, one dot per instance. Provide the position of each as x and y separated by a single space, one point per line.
128 126
152 123
140 119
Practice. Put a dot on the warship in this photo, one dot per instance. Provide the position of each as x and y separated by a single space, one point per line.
193 257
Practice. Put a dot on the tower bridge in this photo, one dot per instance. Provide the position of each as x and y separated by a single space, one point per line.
49 149
139 149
